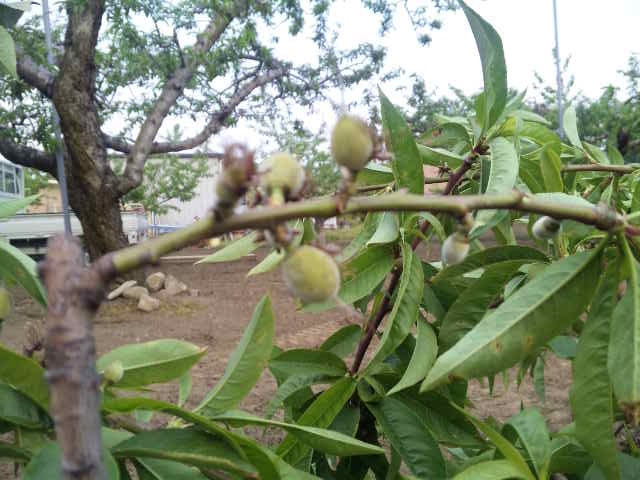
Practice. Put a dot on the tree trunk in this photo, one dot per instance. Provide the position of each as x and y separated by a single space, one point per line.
99 213
92 184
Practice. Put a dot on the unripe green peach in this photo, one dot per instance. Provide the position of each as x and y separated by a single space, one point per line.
545 228
454 248
5 303
311 275
114 372
351 143
282 171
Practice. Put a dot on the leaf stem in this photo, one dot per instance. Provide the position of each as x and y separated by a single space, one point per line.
599 167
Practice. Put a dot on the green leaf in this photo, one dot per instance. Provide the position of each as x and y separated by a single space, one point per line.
25 375
129 404
563 346
437 157
502 176
46 464
538 378
321 439
472 304
424 354
614 155
8 450
624 344
564 199
494 69
405 307
488 256
22 269
387 231
7 52
18 409
369 227
536 132
629 469
187 446
152 362
153 469
307 362
245 364
342 341
434 223
550 165
491 470
235 250
406 164
410 437
374 174
292 385
527 319
447 135
268 263
530 427
10 13
505 447
590 392
319 414
185 383
570 127
13 206
531 117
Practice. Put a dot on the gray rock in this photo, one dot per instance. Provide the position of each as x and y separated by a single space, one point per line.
135 292
148 304
173 286
155 281
118 291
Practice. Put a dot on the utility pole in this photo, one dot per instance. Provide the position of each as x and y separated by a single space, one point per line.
559 88
62 179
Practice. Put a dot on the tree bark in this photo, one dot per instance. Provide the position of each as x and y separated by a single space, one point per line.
92 184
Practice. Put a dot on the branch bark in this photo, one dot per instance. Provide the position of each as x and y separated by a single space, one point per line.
33 73
171 91
28 157
74 293
150 251
215 124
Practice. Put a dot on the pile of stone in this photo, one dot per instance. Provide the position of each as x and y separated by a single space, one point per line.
163 286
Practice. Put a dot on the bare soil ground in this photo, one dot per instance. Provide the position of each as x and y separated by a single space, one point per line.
218 316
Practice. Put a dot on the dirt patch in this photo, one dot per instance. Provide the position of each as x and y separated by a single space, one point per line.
218 316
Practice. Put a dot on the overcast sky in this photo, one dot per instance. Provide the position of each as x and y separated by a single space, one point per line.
598 36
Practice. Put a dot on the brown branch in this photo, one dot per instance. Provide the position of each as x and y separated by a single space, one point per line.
599 167
33 73
208 155
74 293
215 124
385 306
172 90
28 157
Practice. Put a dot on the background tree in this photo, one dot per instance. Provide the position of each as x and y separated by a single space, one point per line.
125 67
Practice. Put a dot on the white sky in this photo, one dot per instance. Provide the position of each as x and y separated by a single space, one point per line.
598 36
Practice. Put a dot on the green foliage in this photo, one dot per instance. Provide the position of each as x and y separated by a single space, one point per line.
353 408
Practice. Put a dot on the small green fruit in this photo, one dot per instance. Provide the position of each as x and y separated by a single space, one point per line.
454 248
545 228
5 303
311 275
282 171
114 372
351 143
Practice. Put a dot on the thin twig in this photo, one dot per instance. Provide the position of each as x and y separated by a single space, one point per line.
599 167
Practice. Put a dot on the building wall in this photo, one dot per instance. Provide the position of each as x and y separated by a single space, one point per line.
204 199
